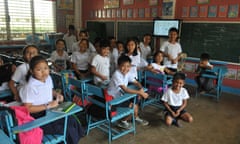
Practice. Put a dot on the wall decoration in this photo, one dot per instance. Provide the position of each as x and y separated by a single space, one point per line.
238 74
222 12
153 2
231 74
99 13
212 12
113 13
65 4
104 13
111 3
135 13
69 20
128 2
194 11
109 13
154 12
168 8
118 13
129 13
233 11
202 1
123 13
203 11
147 12
141 12
185 11
96 13
91 14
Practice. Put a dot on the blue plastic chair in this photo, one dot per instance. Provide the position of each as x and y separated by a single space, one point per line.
217 74
159 83
95 95
5 93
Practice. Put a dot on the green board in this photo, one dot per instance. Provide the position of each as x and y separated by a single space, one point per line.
133 29
220 40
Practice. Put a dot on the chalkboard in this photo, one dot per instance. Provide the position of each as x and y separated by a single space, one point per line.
100 29
220 40
133 29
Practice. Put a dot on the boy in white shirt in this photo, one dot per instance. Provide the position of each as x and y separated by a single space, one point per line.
145 46
175 101
118 85
100 65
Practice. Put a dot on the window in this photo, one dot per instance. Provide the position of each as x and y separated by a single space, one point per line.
19 18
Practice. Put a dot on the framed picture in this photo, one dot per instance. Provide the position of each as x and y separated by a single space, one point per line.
111 3
109 13
129 13
168 8
231 74
123 13
128 2
154 12
233 11
185 11
203 11
99 13
153 2
113 13
202 1
104 13
147 12
65 4
222 12
135 13
212 12
141 12
118 13
194 11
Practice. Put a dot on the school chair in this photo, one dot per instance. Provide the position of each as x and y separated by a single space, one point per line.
157 84
107 123
4 138
5 93
217 74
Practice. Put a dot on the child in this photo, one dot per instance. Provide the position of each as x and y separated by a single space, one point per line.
80 59
131 50
119 82
38 96
59 57
175 101
70 38
157 65
204 84
19 75
100 65
117 52
172 50
145 46
83 35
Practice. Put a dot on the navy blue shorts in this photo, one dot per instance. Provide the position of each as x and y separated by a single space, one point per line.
174 108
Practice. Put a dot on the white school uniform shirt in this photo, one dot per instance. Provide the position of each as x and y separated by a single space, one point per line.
37 92
80 59
158 67
69 40
136 60
116 81
60 60
175 99
20 73
75 47
173 50
102 65
145 50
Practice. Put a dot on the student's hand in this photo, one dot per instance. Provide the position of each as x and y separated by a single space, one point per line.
144 95
53 104
103 78
174 61
174 114
17 98
59 98
178 112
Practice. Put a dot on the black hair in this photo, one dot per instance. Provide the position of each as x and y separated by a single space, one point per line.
173 29
85 40
71 27
33 62
135 52
120 42
62 40
204 56
84 31
147 34
179 76
123 59
111 38
25 50
155 54
104 43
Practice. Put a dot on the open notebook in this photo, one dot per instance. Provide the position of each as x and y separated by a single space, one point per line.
64 107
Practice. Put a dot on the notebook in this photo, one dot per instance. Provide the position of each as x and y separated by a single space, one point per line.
64 107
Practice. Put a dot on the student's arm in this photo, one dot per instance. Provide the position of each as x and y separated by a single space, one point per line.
74 66
38 108
182 107
151 69
132 91
96 73
11 85
169 72
58 96
206 66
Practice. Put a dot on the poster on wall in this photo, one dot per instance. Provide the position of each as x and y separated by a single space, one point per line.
185 11
153 2
65 4
129 13
233 11
69 20
222 12
128 2
212 12
154 12
194 11
168 8
203 11
141 13
202 1
111 4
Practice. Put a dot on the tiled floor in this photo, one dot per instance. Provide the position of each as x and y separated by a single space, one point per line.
214 123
